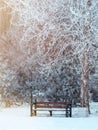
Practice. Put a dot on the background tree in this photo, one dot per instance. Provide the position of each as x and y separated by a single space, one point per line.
46 39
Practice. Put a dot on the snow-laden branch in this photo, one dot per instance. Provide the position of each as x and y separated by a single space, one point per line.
44 32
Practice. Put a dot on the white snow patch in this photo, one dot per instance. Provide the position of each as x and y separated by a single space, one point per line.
19 119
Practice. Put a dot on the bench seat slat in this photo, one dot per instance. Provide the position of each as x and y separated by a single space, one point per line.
39 106
62 103
48 109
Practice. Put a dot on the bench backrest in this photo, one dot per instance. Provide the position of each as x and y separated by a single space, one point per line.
50 104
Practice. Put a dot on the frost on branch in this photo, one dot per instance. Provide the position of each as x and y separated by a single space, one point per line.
46 36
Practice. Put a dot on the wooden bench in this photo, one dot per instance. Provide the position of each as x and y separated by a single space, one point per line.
50 107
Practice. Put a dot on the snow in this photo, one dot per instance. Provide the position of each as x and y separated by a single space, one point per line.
19 119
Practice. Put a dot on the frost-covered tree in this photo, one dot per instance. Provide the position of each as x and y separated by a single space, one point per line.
44 33
85 9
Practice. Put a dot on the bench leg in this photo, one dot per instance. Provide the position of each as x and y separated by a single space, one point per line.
50 113
68 112
34 113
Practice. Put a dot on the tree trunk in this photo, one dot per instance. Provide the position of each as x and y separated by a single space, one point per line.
85 81
85 61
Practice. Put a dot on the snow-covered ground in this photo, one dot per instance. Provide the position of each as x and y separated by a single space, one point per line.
19 119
